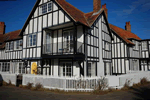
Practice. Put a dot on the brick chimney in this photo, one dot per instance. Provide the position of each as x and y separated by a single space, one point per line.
105 9
96 5
128 26
2 28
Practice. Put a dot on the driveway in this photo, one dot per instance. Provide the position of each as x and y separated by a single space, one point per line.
16 93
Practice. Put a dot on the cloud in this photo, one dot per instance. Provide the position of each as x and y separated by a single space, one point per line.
139 6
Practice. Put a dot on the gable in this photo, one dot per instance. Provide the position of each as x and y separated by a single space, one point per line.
41 17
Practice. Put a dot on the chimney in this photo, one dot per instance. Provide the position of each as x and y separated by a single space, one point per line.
105 9
2 28
128 26
96 5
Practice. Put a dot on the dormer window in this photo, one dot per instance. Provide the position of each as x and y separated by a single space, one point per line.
45 8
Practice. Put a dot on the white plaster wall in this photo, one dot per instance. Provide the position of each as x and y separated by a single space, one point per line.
100 64
55 67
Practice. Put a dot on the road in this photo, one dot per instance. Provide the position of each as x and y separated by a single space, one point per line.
16 93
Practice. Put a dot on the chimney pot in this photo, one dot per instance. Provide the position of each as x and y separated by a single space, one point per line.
96 5
128 26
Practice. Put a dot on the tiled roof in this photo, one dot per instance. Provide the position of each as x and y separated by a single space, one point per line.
77 15
9 36
125 35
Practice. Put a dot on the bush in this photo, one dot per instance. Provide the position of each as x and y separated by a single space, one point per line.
20 86
29 85
38 86
5 83
136 85
144 81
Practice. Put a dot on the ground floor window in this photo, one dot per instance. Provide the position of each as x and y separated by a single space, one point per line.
5 66
21 68
89 69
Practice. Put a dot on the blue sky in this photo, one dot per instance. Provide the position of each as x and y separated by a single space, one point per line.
15 13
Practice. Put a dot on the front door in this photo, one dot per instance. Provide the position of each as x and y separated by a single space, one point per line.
66 69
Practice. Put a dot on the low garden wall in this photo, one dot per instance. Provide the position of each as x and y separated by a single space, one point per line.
8 77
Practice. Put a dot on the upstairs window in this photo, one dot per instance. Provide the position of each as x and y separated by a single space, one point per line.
144 45
136 45
107 46
45 8
18 45
32 40
9 46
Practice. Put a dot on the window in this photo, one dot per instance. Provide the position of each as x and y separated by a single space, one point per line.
144 45
18 44
46 8
67 69
107 46
32 40
9 46
136 45
21 68
89 69
5 67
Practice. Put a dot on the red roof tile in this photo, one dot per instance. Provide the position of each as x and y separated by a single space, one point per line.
125 35
77 15
9 36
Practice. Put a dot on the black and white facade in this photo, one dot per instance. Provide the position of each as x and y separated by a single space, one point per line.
63 47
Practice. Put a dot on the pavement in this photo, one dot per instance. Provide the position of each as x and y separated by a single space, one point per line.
16 93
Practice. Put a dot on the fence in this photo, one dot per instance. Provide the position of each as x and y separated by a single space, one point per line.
83 84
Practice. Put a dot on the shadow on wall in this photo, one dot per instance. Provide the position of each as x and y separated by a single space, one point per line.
1 80
141 93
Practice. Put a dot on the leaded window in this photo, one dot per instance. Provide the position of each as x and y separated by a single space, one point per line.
47 7
89 69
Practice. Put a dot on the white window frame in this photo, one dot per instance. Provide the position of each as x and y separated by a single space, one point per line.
107 46
17 45
136 45
144 45
32 40
21 68
5 66
64 65
89 69
9 46
47 9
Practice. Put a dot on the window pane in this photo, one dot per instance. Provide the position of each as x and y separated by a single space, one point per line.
49 6
34 39
44 8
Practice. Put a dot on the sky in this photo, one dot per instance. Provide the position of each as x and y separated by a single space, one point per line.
15 12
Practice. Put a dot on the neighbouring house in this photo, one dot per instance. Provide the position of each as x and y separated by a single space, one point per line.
59 40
